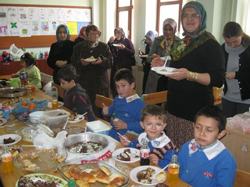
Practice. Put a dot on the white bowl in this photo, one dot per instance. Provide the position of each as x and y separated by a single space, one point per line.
35 117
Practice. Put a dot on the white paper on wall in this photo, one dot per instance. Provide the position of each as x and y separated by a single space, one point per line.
35 28
23 14
12 14
43 15
4 28
61 14
25 28
52 14
13 28
52 27
44 27
3 14
33 13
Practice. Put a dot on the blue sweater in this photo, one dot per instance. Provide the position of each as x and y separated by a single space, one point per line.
210 167
127 111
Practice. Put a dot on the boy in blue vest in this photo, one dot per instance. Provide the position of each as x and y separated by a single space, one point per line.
204 160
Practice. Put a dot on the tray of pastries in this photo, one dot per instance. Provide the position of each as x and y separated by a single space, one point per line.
39 159
92 174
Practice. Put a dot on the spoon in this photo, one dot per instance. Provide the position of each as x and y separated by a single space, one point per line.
85 138
165 63
153 177
127 140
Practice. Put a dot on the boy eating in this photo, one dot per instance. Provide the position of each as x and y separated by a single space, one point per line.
204 160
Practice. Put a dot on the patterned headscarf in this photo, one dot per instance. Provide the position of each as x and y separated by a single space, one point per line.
57 32
82 33
168 42
121 32
203 18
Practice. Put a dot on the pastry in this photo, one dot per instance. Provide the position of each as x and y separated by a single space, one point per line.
103 178
123 156
82 183
105 170
96 172
116 179
161 176
67 174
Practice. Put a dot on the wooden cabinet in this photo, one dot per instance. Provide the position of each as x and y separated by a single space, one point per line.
238 143
7 68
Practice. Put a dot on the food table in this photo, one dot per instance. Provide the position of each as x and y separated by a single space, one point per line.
9 180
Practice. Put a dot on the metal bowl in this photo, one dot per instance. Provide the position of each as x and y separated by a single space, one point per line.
72 140
10 92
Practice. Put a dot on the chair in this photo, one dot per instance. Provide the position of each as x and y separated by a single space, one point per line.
59 89
242 178
155 98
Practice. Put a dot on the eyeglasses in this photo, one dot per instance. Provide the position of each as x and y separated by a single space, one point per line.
193 16
150 125
95 34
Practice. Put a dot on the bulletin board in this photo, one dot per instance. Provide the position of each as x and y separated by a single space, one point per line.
29 26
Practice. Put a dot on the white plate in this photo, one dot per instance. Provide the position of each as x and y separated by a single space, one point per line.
135 152
3 121
90 59
117 45
12 136
134 172
46 177
163 70
60 104
76 121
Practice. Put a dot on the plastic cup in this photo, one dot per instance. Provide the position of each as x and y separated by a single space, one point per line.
33 88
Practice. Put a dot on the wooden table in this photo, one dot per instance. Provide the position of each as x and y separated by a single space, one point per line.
10 179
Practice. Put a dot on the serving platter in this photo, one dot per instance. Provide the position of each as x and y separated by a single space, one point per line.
15 137
163 70
45 177
10 92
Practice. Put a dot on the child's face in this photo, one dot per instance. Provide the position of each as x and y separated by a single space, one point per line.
153 126
124 89
206 131
67 85
23 63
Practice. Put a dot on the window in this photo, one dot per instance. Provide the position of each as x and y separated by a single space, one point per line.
168 9
124 16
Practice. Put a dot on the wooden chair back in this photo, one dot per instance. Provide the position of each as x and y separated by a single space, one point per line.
59 89
242 178
155 98
99 99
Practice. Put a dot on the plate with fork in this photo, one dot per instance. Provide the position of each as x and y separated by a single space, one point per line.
126 155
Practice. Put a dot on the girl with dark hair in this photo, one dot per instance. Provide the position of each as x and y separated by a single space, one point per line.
236 97
60 51
123 52
29 65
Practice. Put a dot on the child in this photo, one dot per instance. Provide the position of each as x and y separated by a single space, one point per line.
153 121
29 65
127 105
75 97
204 160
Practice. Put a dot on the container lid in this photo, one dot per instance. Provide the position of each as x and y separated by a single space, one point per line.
97 126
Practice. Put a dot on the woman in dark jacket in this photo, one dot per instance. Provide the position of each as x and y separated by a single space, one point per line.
61 51
236 98
123 52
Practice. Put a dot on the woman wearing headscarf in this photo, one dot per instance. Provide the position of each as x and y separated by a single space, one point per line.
161 47
82 35
200 65
148 41
92 59
61 51
236 97
123 52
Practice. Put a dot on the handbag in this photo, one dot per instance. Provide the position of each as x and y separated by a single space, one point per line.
132 60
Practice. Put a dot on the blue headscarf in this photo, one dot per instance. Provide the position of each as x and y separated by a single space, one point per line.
57 32
203 18
152 35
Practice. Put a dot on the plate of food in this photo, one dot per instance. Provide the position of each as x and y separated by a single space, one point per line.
60 104
9 139
142 174
163 70
2 121
126 155
75 118
94 174
39 159
40 179
117 45
90 59
143 56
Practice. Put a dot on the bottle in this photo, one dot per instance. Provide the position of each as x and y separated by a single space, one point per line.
7 163
71 183
54 103
115 118
144 154
173 171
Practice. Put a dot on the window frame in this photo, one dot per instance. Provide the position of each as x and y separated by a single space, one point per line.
125 8
159 4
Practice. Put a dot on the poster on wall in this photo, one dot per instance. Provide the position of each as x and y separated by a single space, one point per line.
26 21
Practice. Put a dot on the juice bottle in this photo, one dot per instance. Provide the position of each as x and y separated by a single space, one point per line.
7 163
173 171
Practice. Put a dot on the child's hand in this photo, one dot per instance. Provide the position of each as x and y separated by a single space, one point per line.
154 159
119 125
105 109
123 140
